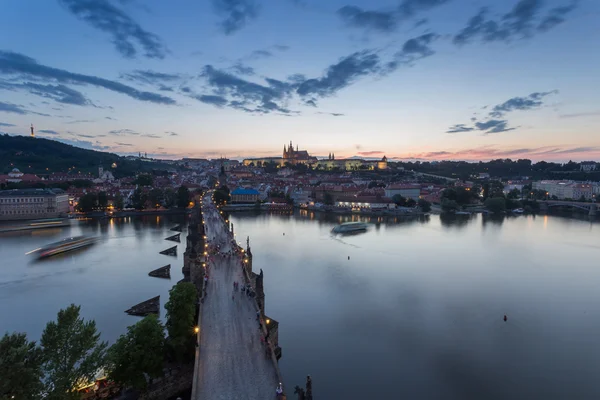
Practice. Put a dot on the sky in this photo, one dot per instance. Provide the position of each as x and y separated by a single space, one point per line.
409 79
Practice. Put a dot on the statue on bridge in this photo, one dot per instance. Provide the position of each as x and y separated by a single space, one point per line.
300 392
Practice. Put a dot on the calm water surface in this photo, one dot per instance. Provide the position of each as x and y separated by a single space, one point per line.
417 311
105 279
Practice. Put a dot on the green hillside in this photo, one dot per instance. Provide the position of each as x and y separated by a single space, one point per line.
44 156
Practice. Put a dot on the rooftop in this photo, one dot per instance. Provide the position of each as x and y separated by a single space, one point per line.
31 192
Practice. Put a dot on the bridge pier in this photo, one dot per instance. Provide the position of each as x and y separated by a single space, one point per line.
593 209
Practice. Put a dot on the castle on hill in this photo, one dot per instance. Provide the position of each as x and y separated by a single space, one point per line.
296 156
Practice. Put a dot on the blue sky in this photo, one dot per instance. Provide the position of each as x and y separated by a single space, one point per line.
418 79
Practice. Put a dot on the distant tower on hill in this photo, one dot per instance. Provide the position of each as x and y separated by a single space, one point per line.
32 133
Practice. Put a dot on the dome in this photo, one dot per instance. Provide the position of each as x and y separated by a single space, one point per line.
15 170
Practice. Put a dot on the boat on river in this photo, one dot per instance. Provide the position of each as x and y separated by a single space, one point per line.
15 226
63 246
350 227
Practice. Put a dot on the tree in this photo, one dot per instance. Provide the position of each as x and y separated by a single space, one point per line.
138 199
449 205
143 180
20 368
424 205
156 197
87 202
399 200
118 203
411 203
514 194
181 320
496 204
102 200
183 196
140 351
170 198
222 195
328 199
72 352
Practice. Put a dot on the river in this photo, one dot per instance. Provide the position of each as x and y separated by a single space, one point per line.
105 279
416 312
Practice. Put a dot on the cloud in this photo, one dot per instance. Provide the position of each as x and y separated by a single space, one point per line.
217 101
111 118
332 114
356 17
493 126
79 121
85 144
310 102
534 100
172 133
151 136
281 47
21 65
237 14
458 128
123 132
256 54
245 95
521 22
370 153
341 74
6 124
490 152
386 21
49 131
150 77
555 17
123 144
85 136
126 33
241 69
12 108
582 114
59 93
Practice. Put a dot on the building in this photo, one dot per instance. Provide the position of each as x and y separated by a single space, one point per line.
296 156
374 203
588 166
243 195
405 190
33 203
16 176
567 190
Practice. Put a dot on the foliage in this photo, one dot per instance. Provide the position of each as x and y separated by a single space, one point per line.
183 196
119 203
143 180
170 197
270 167
496 204
156 197
449 205
87 202
181 319
411 203
222 195
328 199
102 200
493 189
399 200
424 205
72 352
20 368
140 351
46 156
514 194
138 199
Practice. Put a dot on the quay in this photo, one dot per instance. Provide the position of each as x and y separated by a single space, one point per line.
237 348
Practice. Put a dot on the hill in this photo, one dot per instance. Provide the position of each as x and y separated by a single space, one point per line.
43 156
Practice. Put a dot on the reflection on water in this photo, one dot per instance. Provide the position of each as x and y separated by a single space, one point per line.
414 307
105 279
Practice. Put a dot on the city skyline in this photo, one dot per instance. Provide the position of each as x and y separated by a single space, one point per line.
409 79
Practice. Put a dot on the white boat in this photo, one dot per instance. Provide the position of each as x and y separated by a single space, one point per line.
518 211
348 227
68 244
